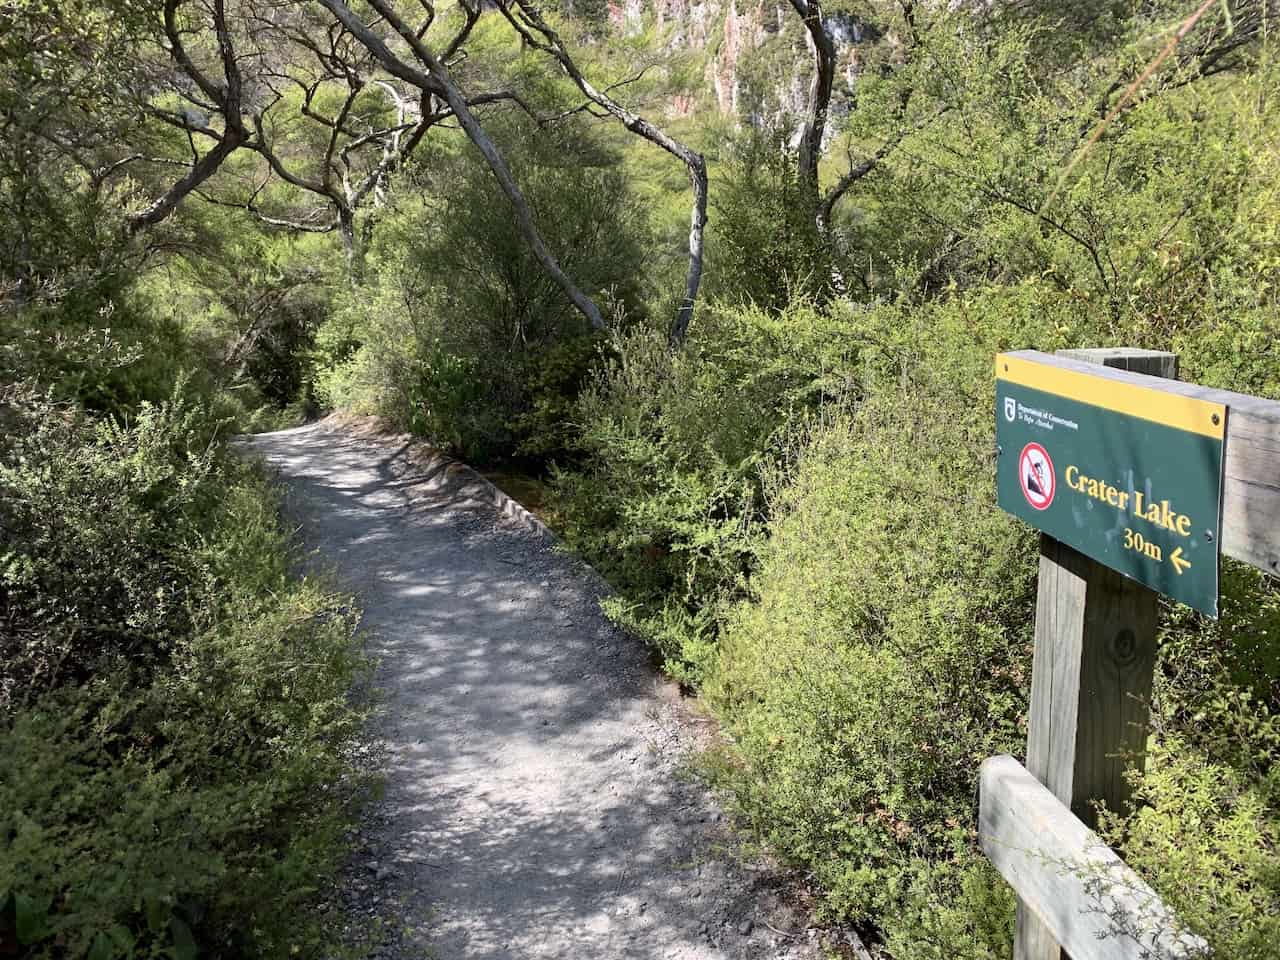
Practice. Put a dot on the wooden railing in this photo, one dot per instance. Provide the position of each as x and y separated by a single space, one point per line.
1087 900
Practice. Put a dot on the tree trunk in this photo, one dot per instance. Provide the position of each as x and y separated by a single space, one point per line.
693 277
350 247
824 74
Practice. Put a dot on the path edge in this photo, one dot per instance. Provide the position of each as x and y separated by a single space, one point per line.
425 454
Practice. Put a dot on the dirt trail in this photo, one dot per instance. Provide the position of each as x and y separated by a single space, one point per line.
535 806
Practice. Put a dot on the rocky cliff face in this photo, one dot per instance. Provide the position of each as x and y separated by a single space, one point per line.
759 61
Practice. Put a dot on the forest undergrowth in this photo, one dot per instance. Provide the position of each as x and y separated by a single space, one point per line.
179 708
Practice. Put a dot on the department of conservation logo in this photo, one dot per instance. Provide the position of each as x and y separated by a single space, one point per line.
1010 409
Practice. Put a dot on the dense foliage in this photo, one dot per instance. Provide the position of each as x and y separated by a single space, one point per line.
835 577
794 503
176 708
461 336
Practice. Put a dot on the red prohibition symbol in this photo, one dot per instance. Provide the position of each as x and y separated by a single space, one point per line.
1036 476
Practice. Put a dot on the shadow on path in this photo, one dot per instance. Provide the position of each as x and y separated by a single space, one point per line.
534 807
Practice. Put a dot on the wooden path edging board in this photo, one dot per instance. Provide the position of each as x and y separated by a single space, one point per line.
470 486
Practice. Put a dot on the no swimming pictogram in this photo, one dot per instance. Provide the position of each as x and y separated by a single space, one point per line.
1036 476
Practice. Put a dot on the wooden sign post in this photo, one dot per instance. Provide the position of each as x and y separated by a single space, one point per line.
1095 628
1095 646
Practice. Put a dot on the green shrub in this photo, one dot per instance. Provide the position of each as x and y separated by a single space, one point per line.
103 363
176 708
665 494
97 522
764 247
829 563
886 649
462 336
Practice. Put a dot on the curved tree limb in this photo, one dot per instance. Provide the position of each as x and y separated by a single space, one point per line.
437 80
200 171
530 21
300 226
856 172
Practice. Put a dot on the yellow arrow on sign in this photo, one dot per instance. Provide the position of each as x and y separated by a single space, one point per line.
1179 564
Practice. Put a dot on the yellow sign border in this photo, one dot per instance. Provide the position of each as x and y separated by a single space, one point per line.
1147 403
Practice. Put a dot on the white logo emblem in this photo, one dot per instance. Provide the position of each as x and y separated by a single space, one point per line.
1010 408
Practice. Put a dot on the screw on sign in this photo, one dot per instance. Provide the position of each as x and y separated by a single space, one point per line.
1036 476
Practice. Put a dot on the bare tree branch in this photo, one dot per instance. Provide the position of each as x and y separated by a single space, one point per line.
301 226
529 22
438 81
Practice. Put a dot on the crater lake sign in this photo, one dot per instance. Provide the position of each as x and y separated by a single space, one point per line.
1128 474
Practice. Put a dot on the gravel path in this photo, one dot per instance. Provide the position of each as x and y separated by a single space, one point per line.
535 805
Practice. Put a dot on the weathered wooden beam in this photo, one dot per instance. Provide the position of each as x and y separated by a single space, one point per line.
1251 479
1154 363
1071 882
1095 647
1095 653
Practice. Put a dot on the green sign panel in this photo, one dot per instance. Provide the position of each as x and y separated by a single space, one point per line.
1128 475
